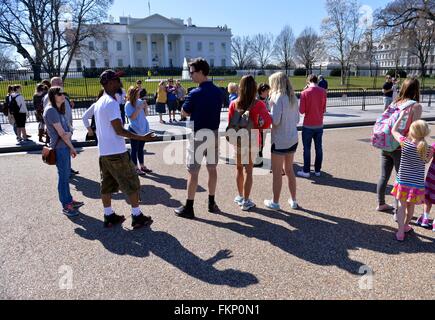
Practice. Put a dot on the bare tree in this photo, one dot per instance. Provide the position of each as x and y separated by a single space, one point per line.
308 48
404 13
241 52
421 37
6 59
284 48
342 32
262 49
47 33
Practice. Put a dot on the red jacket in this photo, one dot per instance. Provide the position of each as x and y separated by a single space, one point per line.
313 106
258 110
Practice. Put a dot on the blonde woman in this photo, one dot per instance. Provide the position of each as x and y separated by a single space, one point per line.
285 116
137 111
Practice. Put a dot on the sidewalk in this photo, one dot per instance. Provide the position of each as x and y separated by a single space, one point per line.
336 117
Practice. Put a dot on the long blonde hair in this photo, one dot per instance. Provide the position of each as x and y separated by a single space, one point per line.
419 130
132 94
280 85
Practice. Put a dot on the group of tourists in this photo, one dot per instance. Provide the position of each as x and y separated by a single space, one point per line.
170 94
254 109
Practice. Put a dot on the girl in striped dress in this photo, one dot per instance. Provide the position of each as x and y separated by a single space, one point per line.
430 196
409 188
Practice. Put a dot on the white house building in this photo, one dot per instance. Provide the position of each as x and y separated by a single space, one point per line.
155 41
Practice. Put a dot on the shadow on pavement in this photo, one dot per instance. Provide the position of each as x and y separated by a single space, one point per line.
323 242
329 180
141 243
172 182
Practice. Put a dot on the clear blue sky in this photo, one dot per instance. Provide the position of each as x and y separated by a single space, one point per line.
244 17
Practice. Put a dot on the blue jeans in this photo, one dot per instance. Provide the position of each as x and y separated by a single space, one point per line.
63 164
137 153
308 135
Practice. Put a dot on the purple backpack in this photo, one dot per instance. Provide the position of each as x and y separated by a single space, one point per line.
382 137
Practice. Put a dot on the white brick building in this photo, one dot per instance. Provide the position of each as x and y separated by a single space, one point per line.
155 41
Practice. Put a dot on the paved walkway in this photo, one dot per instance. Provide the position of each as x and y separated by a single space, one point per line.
334 118
319 252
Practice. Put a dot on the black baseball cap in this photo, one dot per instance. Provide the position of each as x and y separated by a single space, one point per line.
108 75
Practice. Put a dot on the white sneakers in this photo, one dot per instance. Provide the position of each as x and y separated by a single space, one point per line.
306 175
275 206
245 205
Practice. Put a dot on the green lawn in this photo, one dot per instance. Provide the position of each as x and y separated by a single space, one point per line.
89 87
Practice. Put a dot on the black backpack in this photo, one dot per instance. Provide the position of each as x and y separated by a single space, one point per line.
13 105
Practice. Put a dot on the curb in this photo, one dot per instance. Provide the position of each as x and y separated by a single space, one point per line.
86 144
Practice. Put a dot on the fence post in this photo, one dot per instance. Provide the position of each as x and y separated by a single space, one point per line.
364 100
430 97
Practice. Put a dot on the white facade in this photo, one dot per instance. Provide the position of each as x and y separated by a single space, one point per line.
155 41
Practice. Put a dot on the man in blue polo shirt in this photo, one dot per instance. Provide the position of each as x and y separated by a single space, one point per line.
203 105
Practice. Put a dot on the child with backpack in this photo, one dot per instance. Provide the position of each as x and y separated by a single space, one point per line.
409 188
246 116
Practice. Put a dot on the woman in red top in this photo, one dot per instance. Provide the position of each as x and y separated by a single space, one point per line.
247 150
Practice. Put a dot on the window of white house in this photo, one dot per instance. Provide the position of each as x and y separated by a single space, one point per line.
187 45
154 46
211 46
211 62
138 46
79 64
120 63
105 45
171 63
170 46
224 46
91 46
106 63
224 63
119 45
199 46
93 63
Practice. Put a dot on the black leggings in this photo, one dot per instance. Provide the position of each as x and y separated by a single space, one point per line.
389 160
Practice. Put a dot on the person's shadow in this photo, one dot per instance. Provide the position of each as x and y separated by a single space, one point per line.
149 194
172 182
329 180
322 242
141 243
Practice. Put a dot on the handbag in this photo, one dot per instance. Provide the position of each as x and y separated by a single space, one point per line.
49 154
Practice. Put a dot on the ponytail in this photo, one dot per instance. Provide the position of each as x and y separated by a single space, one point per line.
422 149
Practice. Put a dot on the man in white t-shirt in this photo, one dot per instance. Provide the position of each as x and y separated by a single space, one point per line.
117 170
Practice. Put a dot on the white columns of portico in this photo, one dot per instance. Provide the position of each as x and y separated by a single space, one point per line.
165 51
149 51
131 47
182 50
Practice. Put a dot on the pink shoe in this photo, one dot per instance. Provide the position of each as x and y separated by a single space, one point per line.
400 236
424 222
